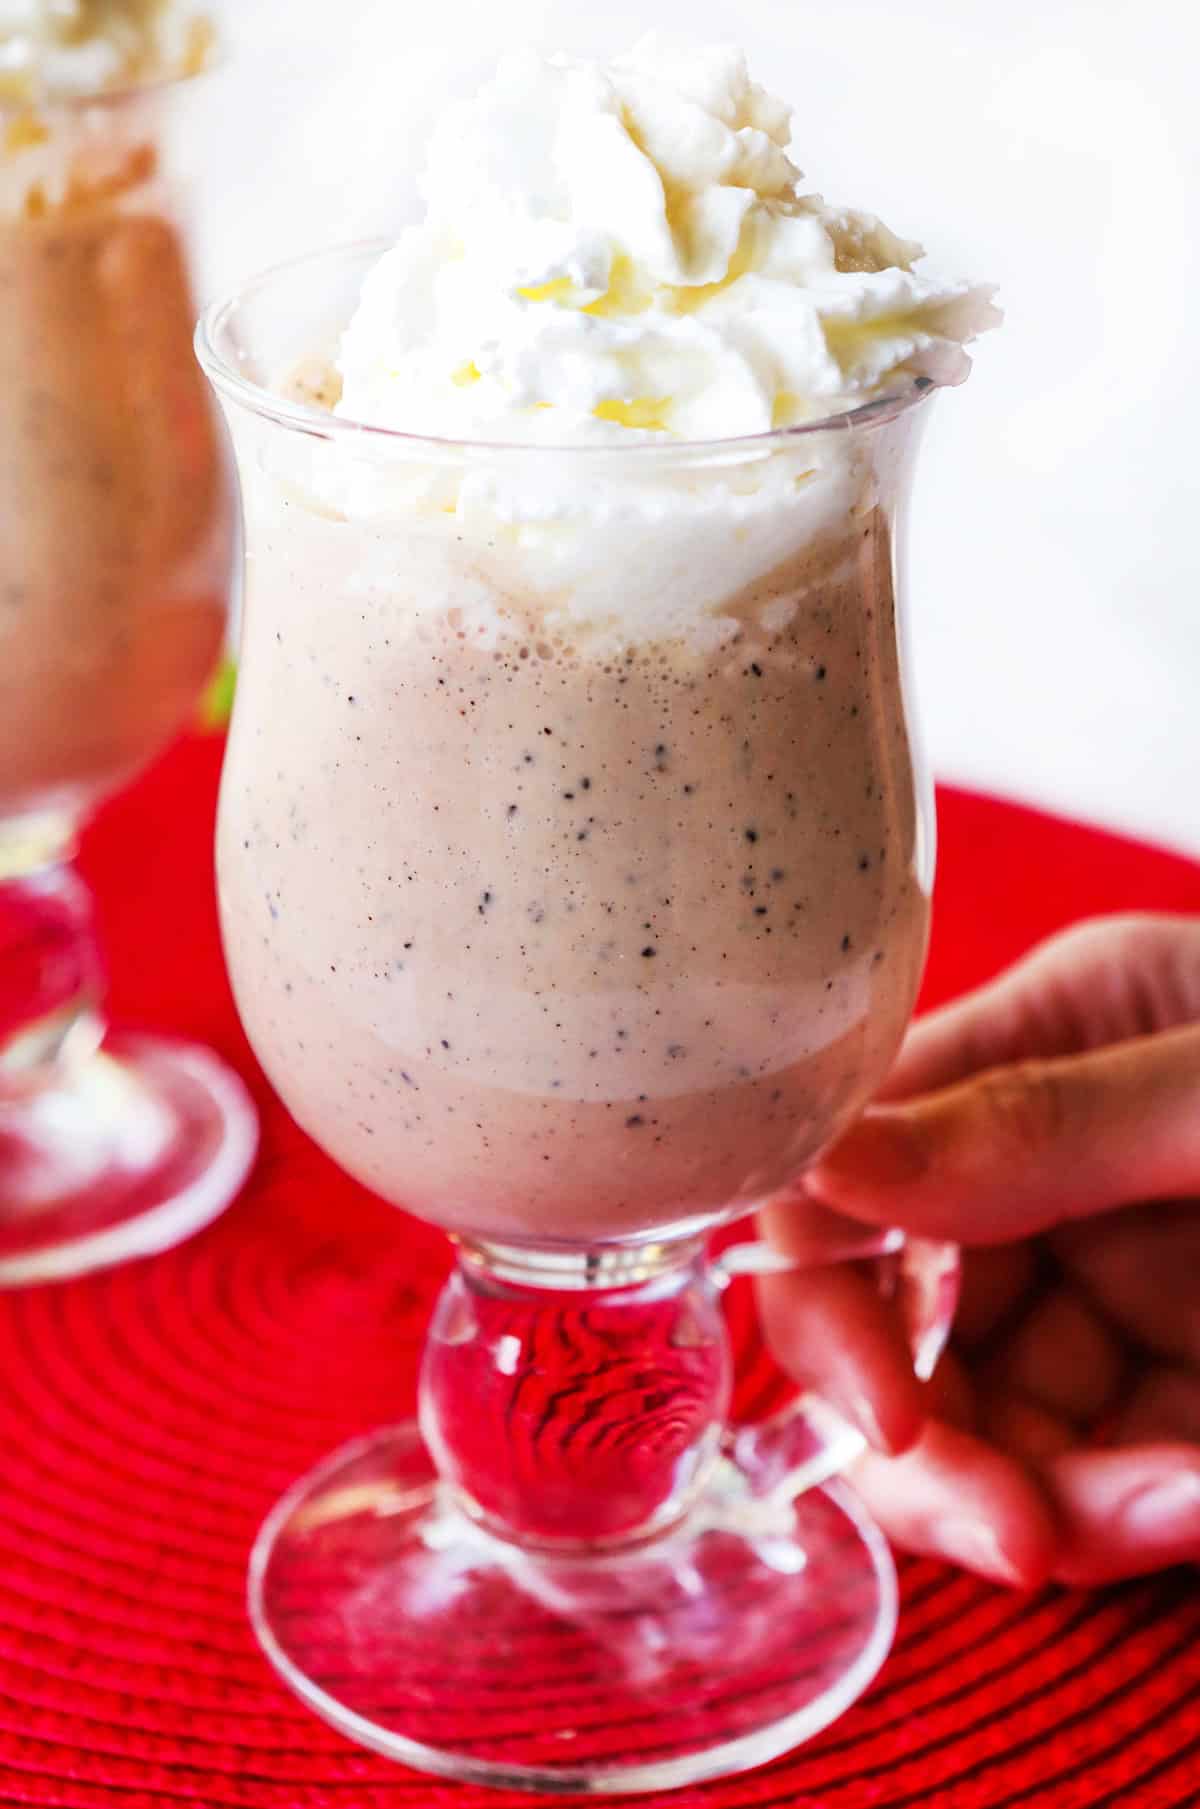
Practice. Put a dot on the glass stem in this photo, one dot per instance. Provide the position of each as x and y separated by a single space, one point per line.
51 972
576 1401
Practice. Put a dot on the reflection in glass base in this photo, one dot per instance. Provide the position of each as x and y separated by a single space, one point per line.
118 1155
709 1650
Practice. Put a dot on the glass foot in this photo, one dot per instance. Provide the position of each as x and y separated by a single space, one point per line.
119 1155
709 1650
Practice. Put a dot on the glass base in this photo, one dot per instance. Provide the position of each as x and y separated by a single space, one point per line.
712 1648
122 1154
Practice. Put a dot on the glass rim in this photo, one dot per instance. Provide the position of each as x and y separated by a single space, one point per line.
301 417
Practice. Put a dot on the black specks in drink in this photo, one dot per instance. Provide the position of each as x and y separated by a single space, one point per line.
760 910
585 785
634 1121
755 668
648 954
751 835
445 1044
821 674
511 812
777 873
845 945
484 902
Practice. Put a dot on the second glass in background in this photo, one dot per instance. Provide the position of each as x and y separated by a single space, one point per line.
116 530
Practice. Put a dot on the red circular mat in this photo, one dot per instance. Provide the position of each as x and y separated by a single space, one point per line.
149 1418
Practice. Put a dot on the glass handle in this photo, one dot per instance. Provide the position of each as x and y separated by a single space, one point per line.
808 1441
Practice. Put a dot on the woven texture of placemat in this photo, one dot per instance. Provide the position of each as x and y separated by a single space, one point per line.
150 1416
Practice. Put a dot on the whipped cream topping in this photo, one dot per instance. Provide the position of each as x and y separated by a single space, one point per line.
624 251
64 48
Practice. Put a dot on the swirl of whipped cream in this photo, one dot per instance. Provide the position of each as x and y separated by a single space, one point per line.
624 250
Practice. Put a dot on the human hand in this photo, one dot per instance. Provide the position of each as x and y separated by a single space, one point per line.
1050 1123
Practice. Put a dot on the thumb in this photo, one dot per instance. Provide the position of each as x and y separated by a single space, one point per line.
1019 1149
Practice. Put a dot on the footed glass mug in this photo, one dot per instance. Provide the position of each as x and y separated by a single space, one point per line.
574 869
116 546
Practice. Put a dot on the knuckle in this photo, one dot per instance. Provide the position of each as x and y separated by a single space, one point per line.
1128 974
1116 932
1025 1107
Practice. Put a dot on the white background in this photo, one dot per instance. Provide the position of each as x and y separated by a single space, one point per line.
1052 147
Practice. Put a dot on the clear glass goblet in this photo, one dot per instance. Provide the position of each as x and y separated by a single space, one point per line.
116 548
574 866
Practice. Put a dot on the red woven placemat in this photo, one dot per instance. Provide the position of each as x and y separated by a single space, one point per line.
150 1416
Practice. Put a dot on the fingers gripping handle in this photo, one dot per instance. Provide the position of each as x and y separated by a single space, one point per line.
809 1441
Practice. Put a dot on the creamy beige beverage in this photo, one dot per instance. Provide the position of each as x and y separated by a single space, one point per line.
115 512
569 858
540 939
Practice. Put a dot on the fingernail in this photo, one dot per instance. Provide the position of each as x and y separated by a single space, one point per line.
973 1543
854 1406
883 1149
1167 1511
